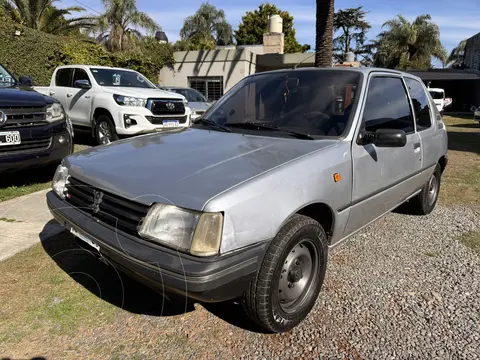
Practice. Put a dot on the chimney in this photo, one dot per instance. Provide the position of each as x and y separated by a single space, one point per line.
273 39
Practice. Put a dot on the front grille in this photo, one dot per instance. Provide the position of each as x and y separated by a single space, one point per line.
166 106
159 120
120 213
24 116
26 146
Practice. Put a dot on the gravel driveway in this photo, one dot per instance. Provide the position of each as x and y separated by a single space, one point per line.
403 288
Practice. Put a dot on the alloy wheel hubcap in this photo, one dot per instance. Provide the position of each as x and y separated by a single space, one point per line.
298 273
432 189
104 133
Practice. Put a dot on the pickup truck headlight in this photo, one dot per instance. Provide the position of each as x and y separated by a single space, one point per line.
129 100
60 181
55 112
189 231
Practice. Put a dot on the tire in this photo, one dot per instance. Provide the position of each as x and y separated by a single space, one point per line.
425 201
269 300
105 132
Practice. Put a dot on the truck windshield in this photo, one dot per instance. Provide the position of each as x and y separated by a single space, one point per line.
123 78
312 102
6 79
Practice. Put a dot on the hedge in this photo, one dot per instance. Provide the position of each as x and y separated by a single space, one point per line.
37 54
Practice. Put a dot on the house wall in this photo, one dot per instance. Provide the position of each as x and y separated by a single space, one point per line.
472 53
231 64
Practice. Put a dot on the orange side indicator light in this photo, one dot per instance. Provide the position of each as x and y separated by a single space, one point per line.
336 177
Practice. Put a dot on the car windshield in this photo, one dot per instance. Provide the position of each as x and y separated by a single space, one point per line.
190 94
313 102
6 79
437 95
123 78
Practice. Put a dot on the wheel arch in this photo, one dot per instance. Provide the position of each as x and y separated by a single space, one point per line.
443 163
97 112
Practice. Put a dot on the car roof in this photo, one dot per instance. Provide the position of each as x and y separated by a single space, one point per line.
93 66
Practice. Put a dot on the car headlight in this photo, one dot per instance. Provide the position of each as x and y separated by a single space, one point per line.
185 102
198 233
129 100
55 112
60 181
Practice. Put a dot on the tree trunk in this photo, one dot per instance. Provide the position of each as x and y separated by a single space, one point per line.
324 34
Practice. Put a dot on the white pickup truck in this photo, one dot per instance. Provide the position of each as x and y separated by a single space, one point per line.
114 102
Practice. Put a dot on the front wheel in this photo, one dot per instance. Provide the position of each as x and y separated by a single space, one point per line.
425 201
105 131
290 278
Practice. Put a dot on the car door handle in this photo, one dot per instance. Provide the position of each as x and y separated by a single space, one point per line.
69 94
416 146
87 97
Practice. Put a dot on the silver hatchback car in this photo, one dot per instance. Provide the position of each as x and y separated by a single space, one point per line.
248 201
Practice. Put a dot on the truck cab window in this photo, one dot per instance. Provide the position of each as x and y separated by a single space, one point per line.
420 104
387 105
63 77
80 74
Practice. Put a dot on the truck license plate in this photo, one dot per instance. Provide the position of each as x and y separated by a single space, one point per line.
84 238
170 123
10 138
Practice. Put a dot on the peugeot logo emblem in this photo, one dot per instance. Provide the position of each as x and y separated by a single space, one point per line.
97 200
170 105
3 118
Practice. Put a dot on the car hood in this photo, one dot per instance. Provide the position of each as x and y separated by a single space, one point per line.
141 92
19 96
185 168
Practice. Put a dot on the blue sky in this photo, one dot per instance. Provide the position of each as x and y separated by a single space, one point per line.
458 19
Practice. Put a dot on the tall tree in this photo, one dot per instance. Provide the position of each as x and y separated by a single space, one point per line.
121 23
324 33
457 55
352 29
43 16
255 23
406 44
205 29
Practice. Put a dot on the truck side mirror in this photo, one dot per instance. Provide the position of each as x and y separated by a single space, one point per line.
82 84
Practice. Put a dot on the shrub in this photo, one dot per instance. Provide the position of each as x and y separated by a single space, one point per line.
37 54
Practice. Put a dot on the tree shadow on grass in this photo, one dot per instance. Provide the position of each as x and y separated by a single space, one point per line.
475 125
122 291
28 176
464 141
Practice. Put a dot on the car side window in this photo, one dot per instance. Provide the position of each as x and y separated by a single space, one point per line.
387 105
80 74
63 77
420 103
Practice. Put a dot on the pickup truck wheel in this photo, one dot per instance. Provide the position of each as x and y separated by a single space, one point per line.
285 288
425 201
105 130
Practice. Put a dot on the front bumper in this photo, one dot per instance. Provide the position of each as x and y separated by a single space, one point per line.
14 160
213 279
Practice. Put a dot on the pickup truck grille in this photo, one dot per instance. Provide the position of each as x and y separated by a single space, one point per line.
159 120
26 146
24 116
120 213
166 106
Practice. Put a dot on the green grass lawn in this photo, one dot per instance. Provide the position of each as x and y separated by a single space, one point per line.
28 181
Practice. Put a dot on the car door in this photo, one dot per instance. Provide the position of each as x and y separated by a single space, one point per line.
384 176
79 101
63 79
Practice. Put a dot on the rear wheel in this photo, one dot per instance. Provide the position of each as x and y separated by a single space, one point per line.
425 201
285 288
105 130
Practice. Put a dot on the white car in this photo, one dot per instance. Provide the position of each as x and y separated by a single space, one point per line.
438 96
114 102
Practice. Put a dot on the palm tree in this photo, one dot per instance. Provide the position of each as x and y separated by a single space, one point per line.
121 22
408 44
43 16
324 33
457 55
206 28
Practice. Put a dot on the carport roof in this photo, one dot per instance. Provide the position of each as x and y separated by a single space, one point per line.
446 74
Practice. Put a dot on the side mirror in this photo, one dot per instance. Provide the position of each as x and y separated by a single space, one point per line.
25 81
82 84
383 138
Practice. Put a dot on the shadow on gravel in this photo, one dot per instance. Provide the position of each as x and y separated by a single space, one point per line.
233 313
105 281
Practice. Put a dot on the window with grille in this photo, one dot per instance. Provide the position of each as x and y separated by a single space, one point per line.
211 86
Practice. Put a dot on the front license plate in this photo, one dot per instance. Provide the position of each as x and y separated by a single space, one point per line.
85 239
10 138
170 123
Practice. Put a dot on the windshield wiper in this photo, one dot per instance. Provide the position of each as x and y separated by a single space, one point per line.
260 126
212 124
